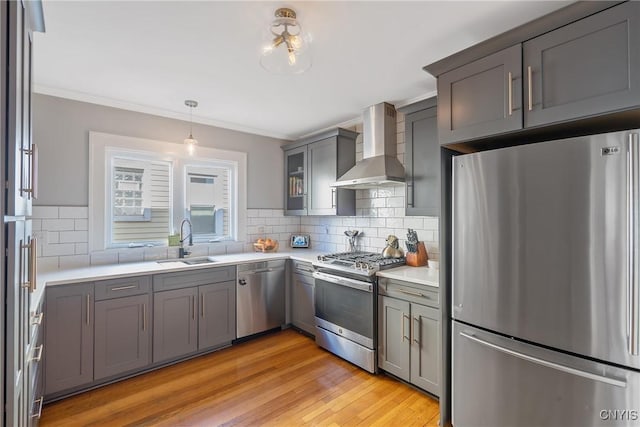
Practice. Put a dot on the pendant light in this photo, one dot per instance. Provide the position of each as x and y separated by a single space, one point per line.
286 49
191 141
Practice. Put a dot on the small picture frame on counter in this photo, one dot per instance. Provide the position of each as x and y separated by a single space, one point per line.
300 240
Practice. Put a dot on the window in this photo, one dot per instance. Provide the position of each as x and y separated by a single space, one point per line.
207 200
140 199
149 187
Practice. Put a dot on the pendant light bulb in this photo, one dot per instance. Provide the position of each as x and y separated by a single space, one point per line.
190 141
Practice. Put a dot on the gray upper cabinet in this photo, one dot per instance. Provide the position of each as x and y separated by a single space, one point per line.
217 311
586 68
175 325
422 162
589 67
68 336
311 166
122 335
481 98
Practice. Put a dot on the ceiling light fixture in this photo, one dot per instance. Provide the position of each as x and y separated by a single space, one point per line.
286 50
191 141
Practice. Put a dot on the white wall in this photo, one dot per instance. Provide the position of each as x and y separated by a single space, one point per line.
61 130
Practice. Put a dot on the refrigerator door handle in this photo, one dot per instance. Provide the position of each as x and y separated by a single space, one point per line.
633 223
546 363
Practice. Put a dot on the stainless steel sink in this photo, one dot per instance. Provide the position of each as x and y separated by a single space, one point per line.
197 261
188 261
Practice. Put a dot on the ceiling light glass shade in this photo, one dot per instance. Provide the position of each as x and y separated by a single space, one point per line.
286 48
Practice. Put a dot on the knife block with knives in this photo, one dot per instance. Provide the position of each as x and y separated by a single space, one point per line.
416 251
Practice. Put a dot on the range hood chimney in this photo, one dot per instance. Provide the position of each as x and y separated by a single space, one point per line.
379 165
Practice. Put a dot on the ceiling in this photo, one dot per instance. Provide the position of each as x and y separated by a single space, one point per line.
150 56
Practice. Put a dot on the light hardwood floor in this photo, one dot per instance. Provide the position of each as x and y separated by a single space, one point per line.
281 379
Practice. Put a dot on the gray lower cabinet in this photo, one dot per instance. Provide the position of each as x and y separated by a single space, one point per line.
303 309
585 68
191 319
409 333
68 336
217 311
175 325
122 335
422 159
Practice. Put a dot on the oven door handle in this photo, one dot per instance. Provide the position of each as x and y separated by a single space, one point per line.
344 281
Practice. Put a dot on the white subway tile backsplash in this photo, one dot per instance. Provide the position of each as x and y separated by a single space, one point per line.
414 222
81 224
36 225
395 202
73 212
131 255
156 253
82 248
59 249
74 261
48 264
58 224
45 212
104 258
74 236
52 237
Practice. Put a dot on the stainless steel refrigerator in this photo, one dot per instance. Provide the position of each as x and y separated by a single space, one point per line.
545 284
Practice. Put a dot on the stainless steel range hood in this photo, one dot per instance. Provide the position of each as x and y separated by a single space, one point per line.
379 165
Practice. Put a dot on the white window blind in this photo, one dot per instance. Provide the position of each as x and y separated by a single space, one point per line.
140 202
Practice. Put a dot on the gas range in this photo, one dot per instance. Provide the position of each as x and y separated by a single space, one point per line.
357 263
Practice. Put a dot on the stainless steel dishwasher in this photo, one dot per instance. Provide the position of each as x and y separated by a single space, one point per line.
260 297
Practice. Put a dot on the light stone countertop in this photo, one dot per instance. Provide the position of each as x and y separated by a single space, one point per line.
420 275
103 272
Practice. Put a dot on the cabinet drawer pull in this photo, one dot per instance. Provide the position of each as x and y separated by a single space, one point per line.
38 413
510 91
415 294
37 350
530 87
122 288
36 319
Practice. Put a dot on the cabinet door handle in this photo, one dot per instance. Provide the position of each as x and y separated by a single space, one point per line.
410 187
122 288
416 331
37 350
202 304
193 308
144 317
32 248
510 91
36 319
304 201
333 198
38 413
530 87
404 336
32 189
88 308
